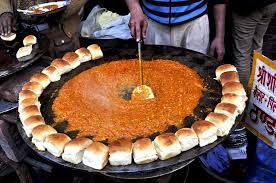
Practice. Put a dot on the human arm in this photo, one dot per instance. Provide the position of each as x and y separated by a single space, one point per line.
217 46
138 22
6 17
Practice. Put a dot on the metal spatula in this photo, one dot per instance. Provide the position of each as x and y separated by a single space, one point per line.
141 92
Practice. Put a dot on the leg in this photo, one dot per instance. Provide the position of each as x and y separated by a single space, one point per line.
243 30
157 34
197 35
262 26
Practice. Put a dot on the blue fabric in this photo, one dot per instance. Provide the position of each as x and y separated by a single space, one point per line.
263 168
216 159
168 14
166 9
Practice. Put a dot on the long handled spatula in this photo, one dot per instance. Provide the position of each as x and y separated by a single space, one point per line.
141 92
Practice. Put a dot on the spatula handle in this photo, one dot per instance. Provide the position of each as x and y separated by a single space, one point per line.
141 72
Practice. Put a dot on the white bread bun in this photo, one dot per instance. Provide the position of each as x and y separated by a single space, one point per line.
61 65
73 151
229 76
31 122
24 51
29 40
237 100
144 151
224 68
28 102
29 111
84 54
227 109
40 133
72 58
205 131
52 73
55 143
95 51
167 146
42 79
25 94
234 88
120 152
187 138
10 37
95 155
34 87
221 121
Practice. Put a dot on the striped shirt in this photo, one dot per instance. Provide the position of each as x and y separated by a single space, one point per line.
172 12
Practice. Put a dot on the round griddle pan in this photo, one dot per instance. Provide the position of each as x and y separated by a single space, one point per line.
204 65
9 64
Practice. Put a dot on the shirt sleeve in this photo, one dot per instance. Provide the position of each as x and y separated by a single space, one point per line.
5 6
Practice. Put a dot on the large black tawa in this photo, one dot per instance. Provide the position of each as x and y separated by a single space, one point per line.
204 65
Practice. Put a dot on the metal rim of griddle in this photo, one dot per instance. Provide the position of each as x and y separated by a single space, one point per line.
42 47
204 65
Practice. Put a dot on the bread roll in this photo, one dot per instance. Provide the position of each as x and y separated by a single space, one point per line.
221 121
72 58
73 151
25 94
229 76
167 146
10 37
42 79
144 151
61 65
24 51
40 133
224 68
32 122
95 155
95 51
28 102
227 109
187 138
52 73
237 100
120 152
234 88
29 40
205 131
28 112
84 54
55 143
34 87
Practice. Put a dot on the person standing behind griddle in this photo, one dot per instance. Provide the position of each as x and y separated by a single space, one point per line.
178 23
250 20
63 36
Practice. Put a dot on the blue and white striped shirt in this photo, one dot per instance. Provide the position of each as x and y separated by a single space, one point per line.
173 12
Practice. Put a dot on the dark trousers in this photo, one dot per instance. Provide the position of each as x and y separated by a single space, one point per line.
248 32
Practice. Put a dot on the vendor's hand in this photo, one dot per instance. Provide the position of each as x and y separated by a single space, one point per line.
138 24
217 48
7 23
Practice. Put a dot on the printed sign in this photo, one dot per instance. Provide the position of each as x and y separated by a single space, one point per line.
261 109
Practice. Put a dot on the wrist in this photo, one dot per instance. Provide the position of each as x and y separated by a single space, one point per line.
135 8
220 38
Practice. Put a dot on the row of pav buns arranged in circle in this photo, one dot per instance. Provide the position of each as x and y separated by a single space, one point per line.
121 152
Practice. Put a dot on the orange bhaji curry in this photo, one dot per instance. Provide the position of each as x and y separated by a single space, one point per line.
96 102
